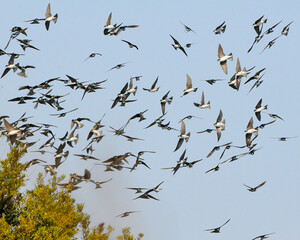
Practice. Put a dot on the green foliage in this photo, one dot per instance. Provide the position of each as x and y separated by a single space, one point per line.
45 212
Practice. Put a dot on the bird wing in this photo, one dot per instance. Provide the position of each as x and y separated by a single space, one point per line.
202 99
108 19
182 49
224 66
260 185
238 65
48 11
220 51
175 41
180 141
188 82
182 129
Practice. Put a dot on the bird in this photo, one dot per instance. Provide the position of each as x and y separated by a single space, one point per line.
153 87
264 236
270 44
126 214
92 55
131 45
253 189
259 22
188 45
64 113
217 148
189 117
261 126
259 108
250 130
12 133
283 139
212 81
131 139
23 70
49 17
220 29
98 183
35 20
120 95
272 115
108 27
177 45
187 29
240 73
165 100
189 87
219 124
271 29
9 66
202 104
138 190
183 136
217 230
286 29
86 157
21 100
256 40
215 169
118 66
255 76
156 121
223 58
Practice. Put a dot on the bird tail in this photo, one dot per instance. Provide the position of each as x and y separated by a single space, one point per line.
55 18
170 99
266 107
223 29
187 139
24 31
230 56
77 137
208 103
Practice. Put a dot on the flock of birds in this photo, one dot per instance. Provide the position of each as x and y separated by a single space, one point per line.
21 129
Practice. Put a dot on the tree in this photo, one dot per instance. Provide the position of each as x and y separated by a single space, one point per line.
45 212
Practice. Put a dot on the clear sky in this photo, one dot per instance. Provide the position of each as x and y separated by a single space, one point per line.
191 201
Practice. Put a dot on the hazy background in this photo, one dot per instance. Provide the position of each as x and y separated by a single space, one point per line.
191 201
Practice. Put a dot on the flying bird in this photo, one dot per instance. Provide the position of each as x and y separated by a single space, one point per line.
10 65
49 17
187 29
177 45
259 108
202 104
189 87
258 25
92 55
286 29
217 229
223 58
131 45
220 29
264 236
253 189
153 87
183 136
219 124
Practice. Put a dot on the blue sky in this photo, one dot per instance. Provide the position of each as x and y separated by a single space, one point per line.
191 200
